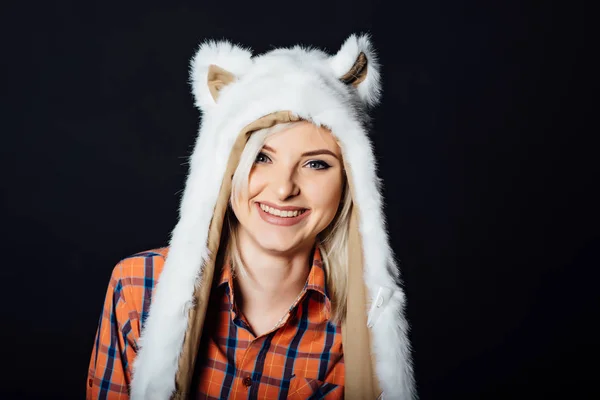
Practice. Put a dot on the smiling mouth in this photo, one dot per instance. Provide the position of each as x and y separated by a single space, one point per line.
282 213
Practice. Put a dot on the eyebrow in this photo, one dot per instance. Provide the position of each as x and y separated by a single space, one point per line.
306 154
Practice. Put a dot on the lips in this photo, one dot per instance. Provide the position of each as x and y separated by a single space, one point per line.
281 215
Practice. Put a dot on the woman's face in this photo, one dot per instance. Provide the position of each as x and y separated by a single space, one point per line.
294 189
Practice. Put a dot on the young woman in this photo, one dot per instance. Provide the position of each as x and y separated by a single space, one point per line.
278 281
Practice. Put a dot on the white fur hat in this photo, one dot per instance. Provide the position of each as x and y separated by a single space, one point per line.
234 89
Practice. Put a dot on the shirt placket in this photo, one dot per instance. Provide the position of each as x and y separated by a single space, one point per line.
246 367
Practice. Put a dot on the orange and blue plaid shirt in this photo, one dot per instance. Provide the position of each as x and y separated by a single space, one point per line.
299 359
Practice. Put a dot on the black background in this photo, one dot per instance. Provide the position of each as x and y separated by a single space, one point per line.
480 140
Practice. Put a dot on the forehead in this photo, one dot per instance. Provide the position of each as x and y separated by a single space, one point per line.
302 137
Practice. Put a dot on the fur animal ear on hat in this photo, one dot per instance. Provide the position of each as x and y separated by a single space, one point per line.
218 64
356 64
215 65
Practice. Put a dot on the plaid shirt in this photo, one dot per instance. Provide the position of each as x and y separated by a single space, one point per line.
302 358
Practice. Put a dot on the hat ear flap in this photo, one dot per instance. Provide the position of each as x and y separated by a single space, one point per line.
215 66
355 64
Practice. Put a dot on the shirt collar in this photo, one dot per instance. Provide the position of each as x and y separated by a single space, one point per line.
316 277
316 280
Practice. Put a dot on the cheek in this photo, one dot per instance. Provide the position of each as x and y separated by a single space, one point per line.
239 210
241 205
326 196
256 182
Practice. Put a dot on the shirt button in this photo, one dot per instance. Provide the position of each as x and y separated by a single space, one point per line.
247 381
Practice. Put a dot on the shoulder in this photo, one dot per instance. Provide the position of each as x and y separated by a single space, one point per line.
140 270
132 285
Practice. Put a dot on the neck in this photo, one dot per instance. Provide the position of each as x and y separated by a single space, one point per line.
272 281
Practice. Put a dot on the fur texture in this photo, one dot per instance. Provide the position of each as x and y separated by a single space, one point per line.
306 82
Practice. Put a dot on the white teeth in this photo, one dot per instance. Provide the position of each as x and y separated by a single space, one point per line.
280 213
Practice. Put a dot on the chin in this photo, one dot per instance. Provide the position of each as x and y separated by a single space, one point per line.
277 243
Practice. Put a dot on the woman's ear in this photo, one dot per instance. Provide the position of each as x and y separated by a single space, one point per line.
355 64
215 66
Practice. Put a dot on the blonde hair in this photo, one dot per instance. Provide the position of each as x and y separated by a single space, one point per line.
332 241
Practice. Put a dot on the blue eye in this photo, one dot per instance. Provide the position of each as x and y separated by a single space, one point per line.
318 164
262 158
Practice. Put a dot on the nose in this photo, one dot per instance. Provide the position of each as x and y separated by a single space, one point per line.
285 184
